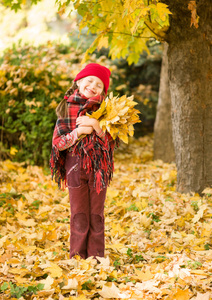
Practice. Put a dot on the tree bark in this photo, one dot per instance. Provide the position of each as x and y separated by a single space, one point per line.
163 144
190 65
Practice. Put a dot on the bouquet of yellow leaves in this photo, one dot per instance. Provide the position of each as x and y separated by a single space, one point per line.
117 115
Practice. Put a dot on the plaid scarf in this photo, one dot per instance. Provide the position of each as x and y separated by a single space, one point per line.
96 153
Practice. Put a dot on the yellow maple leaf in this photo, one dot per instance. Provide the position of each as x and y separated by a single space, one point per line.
98 113
104 261
53 104
13 151
103 42
145 221
124 138
113 118
144 276
28 222
111 292
180 295
131 130
71 285
54 270
192 6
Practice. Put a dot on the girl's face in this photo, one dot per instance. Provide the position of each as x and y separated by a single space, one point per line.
90 86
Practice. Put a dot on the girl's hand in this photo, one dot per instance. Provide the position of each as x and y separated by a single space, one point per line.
84 130
84 121
87 121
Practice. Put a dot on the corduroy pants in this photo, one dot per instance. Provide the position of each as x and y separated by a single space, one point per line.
87 211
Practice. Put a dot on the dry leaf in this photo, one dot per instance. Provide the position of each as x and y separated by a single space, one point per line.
200 296
180 295
149 286
144 276
54 270
47 282
112 292
71 285
117 115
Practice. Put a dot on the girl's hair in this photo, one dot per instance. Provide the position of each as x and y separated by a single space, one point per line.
62 108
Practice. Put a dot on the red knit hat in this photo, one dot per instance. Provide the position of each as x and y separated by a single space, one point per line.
97 70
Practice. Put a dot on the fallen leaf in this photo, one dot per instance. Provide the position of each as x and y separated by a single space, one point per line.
54 270
180 295
47 283
200 296
71 285
144 276
112 292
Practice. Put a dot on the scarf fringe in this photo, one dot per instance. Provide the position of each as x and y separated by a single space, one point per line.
96 157
58 173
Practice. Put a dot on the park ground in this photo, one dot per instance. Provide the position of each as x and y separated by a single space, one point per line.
158 241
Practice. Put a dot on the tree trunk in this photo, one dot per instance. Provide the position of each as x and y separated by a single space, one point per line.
190 63
163 145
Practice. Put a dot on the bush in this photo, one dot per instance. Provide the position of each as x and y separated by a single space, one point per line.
32 83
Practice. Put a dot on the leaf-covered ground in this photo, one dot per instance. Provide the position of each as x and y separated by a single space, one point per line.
158 242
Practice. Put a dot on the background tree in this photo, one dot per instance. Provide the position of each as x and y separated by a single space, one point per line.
163 143
191 90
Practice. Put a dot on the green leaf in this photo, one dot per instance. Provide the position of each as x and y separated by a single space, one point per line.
4 286
129 252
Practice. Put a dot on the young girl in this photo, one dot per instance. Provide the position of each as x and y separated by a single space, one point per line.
82 159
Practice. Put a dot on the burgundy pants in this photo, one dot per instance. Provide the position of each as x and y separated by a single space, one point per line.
87 211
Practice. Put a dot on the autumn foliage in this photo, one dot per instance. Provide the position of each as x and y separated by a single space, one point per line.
158 241
117 116
33 81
